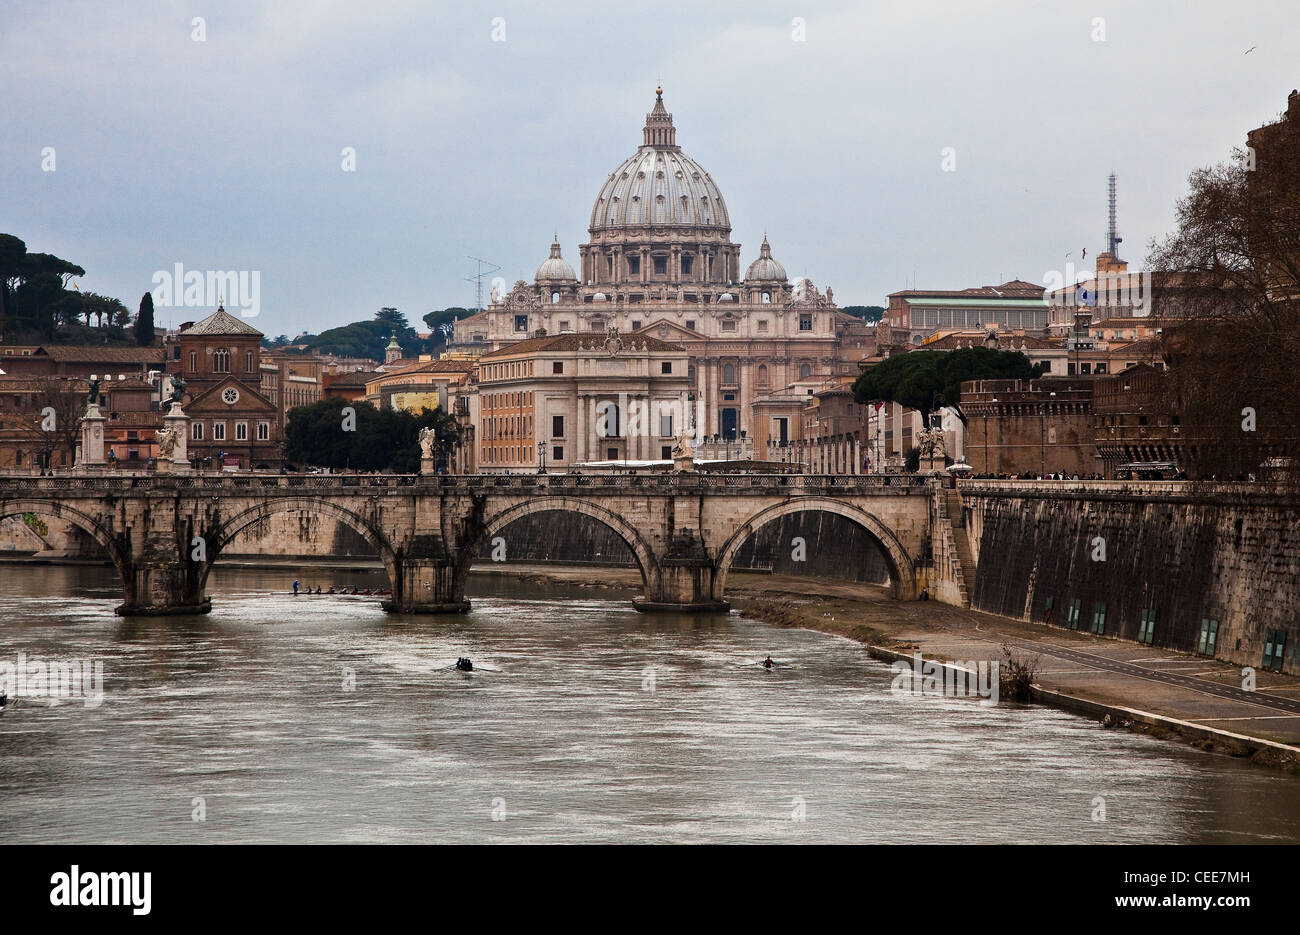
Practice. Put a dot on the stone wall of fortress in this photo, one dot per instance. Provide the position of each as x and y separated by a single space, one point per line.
1189 554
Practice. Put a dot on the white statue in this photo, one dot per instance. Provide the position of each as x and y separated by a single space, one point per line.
166 439
428 441
683 447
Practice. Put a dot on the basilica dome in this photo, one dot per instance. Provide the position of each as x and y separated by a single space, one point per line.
555 268
765 268
659 184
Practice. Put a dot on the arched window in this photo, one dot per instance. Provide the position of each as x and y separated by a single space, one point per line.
767 298
762 374
728 373
805 371
221 361
607 415
555 298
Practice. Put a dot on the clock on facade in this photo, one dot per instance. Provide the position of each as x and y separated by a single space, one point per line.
230 396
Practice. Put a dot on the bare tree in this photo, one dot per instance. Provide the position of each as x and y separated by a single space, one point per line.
52 422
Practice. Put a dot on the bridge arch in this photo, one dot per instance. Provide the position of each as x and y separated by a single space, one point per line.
116 548
640 549
265 509
902 572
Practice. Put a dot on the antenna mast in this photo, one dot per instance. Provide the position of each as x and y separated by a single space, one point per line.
1113 239
477 280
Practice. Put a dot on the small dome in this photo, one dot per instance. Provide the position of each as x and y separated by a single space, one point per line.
765 269
726 297
555 267
599 298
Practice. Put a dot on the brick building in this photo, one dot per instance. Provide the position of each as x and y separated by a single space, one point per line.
1030 427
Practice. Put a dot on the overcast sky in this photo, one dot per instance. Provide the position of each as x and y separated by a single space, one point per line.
227 153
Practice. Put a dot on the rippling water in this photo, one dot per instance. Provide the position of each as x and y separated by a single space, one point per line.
560 731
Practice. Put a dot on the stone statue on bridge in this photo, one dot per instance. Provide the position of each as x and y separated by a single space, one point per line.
428 442
166 439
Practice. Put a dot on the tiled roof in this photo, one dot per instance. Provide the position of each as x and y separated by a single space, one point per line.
594 341
80 354
221 322
1015 289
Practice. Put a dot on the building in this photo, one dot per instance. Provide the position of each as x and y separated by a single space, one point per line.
660 265
83 361
288 380
232 425
571 398
916 314
1030 427
419 385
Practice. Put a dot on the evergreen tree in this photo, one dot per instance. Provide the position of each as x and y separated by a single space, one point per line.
144 321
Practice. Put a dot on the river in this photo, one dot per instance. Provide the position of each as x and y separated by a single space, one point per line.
583 722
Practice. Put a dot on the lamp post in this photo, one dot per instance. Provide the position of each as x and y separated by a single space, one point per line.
541 457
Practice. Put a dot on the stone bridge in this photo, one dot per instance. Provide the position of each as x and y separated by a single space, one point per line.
164 532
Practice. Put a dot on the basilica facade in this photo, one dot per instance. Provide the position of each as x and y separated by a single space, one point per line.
660 263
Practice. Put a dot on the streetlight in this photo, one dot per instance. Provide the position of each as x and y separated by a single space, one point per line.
541 457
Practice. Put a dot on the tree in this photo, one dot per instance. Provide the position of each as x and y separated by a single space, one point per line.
865 312
53 422
1230 271
927 380
377 440
144 336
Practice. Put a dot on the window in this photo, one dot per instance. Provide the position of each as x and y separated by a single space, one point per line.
194 362
241 431
636 324
557 426
263 431
1073 620
666 453
767 299
221 360
661 265
1209 636
665 425
521 322
1274 644
805 371
608 426
728 325
691 325
218 431
762 326
1047 366
805 323
248 361
666 367
728 373
557 366
1147 629
1099 617
196 431
687 259
633 264
557 453
762 374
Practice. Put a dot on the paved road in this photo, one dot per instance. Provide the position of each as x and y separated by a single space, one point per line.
1183 681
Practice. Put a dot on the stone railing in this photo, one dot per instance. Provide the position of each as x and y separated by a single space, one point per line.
1171 490
404 484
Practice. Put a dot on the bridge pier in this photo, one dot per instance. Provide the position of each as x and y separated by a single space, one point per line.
163 589
683 586
427 586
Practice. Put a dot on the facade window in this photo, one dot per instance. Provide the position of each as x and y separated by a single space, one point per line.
1147 629
691 325
728 325
665 425
805 323
1209 636
767 300
557 426
557 453
762 374
555 298
241 431
521 322
248 361
1047 366
221 360
557 366
218 431
634 264
728 373
666 453
762 326
661 265
608 414
196 431
805 371
666 367
611 454
194 362
263 431
687 260
598 324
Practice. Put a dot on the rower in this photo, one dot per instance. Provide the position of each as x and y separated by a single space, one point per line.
768 663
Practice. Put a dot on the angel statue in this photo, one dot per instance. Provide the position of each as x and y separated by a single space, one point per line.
428 441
